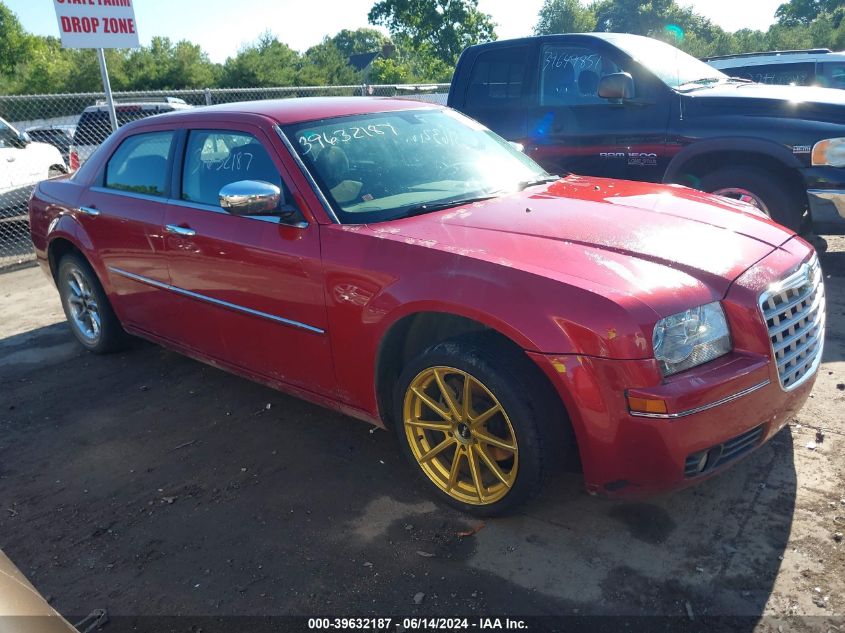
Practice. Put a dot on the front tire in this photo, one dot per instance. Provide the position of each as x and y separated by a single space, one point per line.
472 420
763 189
87 308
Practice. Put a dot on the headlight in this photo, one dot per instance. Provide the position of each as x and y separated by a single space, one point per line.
691 338
830 152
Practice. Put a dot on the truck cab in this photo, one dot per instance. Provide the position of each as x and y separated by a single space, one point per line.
632 107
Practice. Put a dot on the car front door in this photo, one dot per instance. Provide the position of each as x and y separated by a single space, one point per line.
572 129
122 212
250 285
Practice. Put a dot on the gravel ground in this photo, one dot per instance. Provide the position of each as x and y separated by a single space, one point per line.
150 484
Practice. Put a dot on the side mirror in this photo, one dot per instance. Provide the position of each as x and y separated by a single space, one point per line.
251 197
519 147
616 86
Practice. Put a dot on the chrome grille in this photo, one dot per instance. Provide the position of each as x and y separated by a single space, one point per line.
794 313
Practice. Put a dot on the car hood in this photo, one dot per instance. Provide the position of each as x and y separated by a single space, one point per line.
632 237
795 101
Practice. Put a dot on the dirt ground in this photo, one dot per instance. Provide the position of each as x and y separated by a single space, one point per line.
150 484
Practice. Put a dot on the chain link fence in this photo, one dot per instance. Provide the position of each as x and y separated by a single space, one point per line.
45 135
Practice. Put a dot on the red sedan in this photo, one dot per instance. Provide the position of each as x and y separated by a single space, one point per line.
400 263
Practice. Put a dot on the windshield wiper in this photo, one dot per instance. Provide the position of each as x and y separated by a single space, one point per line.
704 81
428 207
524 184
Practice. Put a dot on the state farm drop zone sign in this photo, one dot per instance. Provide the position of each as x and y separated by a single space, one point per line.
97 23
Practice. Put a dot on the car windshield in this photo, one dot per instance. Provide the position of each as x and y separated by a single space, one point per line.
671 65
388 165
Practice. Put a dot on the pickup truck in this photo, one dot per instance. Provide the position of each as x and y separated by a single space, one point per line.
632 107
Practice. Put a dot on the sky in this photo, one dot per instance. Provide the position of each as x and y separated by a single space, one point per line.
221 27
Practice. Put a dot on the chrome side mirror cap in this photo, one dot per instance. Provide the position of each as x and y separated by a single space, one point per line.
251 197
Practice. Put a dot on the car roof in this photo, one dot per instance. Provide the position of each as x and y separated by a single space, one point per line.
775 57
302 109
59 127
150 105
612 38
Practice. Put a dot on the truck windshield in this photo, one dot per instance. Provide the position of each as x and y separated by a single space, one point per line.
671 65
389 165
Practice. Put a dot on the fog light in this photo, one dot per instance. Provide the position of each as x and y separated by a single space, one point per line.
646 405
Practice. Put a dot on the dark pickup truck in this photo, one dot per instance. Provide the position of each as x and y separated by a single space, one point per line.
626 106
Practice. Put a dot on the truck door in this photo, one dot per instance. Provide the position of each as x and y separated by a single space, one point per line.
571 129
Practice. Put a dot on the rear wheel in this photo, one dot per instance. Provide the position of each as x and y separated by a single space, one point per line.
88 311
472 422
765 190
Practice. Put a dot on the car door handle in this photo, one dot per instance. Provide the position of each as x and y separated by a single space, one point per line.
181 231
10 159
89 211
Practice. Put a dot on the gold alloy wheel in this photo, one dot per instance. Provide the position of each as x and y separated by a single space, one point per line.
460 435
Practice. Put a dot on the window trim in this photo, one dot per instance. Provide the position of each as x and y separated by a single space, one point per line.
102 180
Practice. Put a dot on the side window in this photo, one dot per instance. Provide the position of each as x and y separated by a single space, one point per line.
215 158
497 78
8 138
833 75
803 74
569 75
140 164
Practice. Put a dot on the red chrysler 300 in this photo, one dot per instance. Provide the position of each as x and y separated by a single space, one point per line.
400 263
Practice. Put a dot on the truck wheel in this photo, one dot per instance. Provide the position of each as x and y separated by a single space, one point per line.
471 420
760 188
88 311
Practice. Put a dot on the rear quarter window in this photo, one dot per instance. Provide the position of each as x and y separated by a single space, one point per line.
497 78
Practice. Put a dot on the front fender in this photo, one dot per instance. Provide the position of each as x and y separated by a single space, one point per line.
372 283
729 144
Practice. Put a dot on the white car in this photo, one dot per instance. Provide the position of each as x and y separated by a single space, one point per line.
23 163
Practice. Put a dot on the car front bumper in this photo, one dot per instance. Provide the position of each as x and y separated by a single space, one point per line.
715 413
825 188
827 208
718 414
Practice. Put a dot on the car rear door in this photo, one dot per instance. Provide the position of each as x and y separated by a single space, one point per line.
250 287
572 129
122 213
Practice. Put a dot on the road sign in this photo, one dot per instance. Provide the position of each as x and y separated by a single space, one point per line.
97 23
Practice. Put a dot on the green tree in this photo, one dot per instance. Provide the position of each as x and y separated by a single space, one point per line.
324 64
268 62
565 16
164 65
797 12
442 28
14 41
362 40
